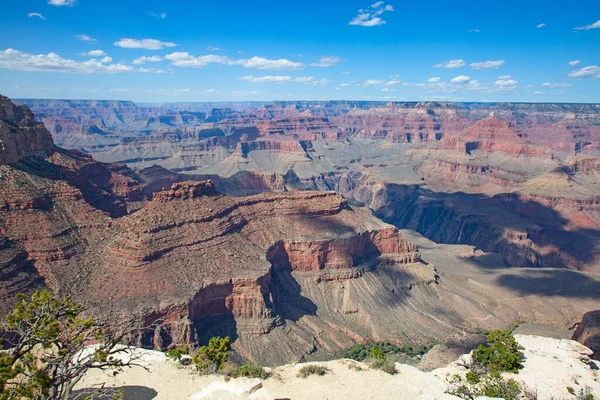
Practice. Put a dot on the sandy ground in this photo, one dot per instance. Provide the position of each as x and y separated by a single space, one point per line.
166 380
550 367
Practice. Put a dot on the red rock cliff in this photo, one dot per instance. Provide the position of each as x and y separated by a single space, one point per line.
20 135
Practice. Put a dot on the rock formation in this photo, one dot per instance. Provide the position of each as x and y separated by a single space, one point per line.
588 332
20 136
301 269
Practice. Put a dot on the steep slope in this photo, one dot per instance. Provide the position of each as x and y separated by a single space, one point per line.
20 136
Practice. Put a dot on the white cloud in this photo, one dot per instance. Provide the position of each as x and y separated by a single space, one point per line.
506 81
106 60
574 63
460 79
212 48
344 84
326 62
148 44
595 25
144 59
452 64
94 53
466 84
18 61
119 90
85 38
153 71
307 80
371 15
592 70
556 85
264 63
34 14
62 2
185 59
346 73
372 82
487 64
157 16
474 31
267 79
211 91
542 25
434 79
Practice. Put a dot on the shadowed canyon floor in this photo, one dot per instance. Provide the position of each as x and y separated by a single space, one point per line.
233 248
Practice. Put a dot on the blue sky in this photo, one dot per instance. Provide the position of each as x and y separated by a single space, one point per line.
155 51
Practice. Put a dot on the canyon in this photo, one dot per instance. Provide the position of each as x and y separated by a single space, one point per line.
301 228
511 178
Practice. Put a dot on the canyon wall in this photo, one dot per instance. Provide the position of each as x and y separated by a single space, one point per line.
20 135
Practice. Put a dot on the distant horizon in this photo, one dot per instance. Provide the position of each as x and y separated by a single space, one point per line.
137 103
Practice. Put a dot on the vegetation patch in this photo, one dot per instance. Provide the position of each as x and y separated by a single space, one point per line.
501 354
211 358
384 365
176 353
312 369
247 371
47 335
361 352
484 378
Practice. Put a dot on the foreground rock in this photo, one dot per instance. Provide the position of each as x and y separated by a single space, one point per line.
20 135
550 367
588 332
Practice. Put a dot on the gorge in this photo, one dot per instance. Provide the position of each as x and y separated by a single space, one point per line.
299 229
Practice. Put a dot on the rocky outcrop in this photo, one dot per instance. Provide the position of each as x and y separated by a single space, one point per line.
185 190
339 254
20 135
302 127
588 332
287 146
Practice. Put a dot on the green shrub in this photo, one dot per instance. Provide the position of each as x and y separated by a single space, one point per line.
176 353
361 352
248 371
211 358
312 369
496 386
377 354
501 353
490 385
384 365
570 390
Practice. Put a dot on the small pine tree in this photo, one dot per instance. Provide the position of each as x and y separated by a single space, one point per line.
501 353
46 337
211 358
